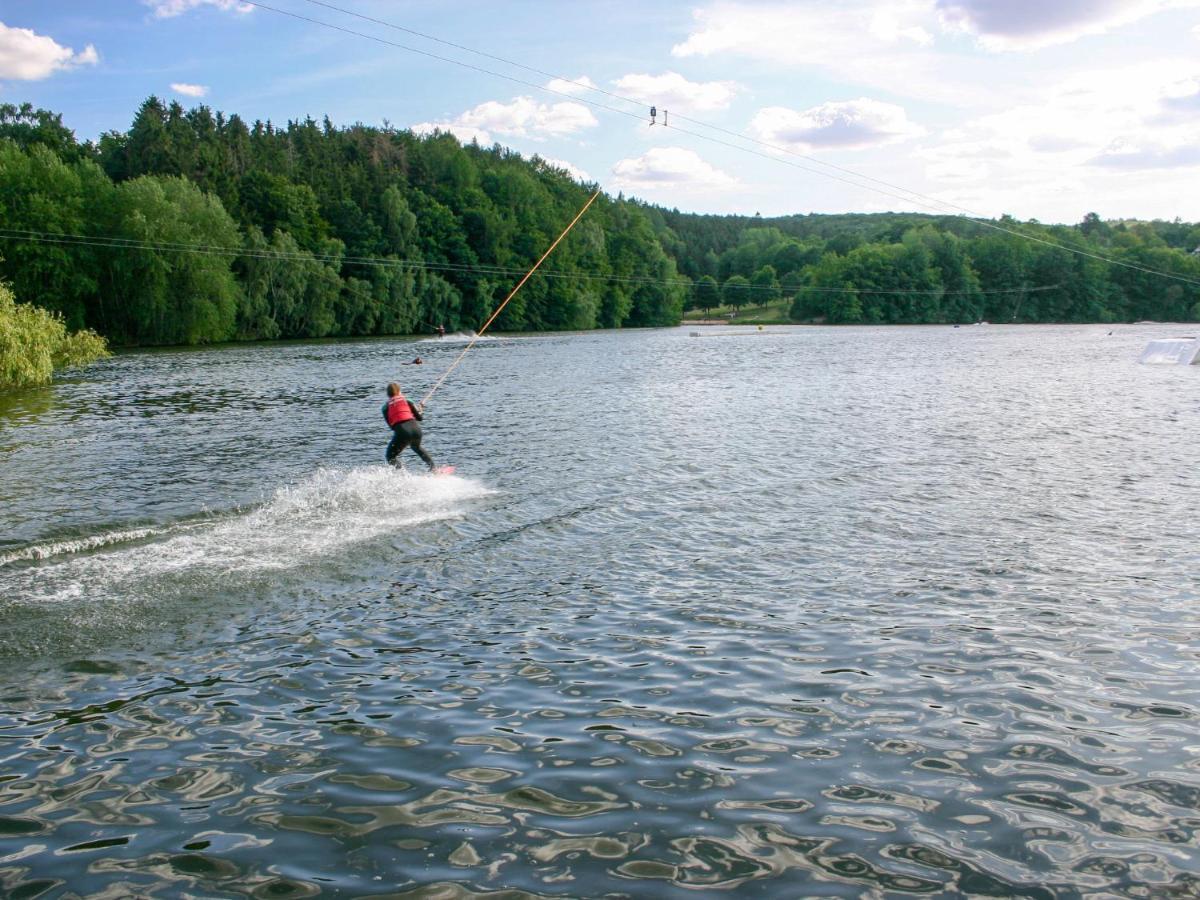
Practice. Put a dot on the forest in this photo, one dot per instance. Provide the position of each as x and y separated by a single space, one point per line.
194 227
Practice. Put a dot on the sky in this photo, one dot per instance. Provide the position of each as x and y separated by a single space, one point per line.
1039 109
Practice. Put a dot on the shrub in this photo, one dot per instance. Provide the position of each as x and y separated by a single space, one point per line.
34 342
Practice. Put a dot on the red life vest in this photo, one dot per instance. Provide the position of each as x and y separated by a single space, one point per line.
398 410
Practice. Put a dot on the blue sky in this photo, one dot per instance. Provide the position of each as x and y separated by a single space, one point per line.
1042 109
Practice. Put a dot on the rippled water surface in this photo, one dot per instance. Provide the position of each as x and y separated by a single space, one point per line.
813 612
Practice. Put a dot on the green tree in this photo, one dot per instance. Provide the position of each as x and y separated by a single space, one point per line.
28 127
1004 265
792 283
1094 228
962 301
736 291
272 202
41 196
766 286
163 297
707 293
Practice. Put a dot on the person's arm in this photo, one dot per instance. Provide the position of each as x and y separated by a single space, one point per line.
383 410
416 410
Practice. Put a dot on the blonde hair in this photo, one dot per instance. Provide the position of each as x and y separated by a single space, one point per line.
394 390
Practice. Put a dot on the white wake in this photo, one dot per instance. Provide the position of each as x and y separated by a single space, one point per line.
308 522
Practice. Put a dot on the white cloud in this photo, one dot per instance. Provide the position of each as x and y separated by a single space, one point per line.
1095 137
523 117
1055 143
27 56
574 87
1084 114
672 91
950 170
849 125
189 90
574 171
464 133
673 167
1032 24
797 32
168 9
905 47
1145 155
794 33
869 42
1182 97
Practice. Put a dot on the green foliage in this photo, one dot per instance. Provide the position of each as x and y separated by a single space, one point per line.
793 282
707 293
907 268
288 292
875 283
39 192
78 348
28 127
272 203
736 291
766 286
34 342
309 230
164 297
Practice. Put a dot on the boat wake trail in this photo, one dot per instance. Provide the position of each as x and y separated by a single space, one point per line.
320 522
457 337
51 549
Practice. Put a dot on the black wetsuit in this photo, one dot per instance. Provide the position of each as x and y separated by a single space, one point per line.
406 434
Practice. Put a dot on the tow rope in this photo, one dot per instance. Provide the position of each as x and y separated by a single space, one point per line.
579 215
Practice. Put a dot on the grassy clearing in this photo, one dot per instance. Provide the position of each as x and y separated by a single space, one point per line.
771 314
34 342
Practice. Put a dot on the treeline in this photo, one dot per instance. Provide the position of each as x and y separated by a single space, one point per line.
910 268
307 231
311 230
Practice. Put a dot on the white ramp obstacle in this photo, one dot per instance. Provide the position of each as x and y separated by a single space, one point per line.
1177 351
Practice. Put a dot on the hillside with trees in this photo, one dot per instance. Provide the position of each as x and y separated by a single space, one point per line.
308 231
912 268
194 227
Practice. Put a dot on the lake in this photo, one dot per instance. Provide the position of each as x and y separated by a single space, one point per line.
807 612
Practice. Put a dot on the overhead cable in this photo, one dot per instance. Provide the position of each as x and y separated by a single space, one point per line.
454 268
886 188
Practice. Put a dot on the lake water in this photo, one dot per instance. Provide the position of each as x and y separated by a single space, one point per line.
813 612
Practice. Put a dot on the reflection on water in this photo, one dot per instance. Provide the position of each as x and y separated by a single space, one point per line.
826 613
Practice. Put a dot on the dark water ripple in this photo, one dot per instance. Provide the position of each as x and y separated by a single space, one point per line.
815 613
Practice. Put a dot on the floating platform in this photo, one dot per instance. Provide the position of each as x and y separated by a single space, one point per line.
1183 351
744 330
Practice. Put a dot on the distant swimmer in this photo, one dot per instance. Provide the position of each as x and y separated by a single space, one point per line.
417 362
403 417
441 330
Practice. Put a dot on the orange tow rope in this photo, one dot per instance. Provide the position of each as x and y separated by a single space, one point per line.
499 308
